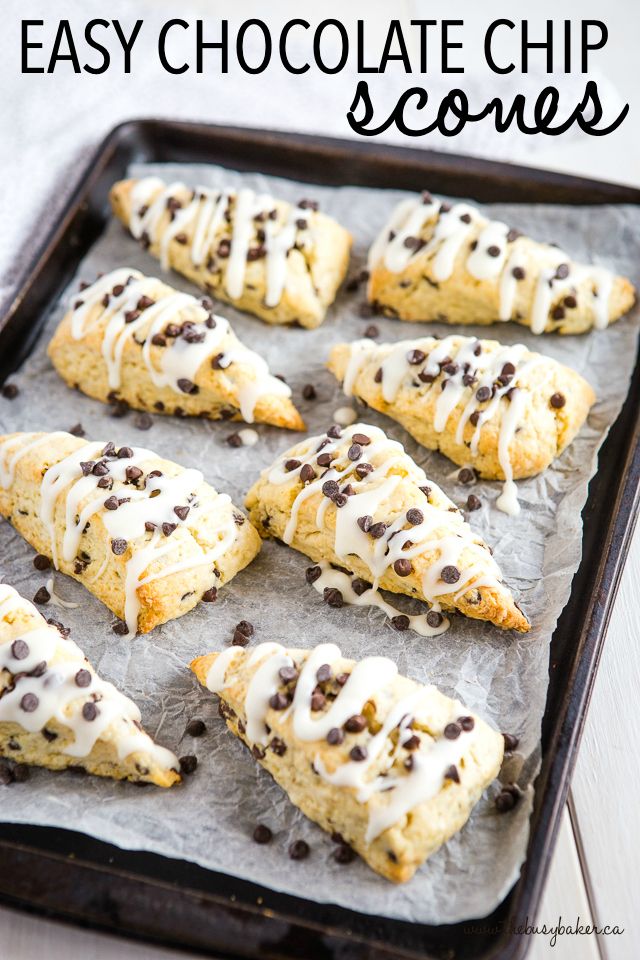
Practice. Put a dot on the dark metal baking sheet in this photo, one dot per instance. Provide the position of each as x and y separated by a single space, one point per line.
73 876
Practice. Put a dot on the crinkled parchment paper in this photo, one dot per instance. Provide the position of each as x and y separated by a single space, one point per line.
211 817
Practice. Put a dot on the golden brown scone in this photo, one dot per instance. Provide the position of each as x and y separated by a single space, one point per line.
438 261
146 536
392 766
133 338
56 712
503 410
282 263
355 499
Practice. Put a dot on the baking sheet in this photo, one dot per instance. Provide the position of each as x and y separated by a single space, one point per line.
210 818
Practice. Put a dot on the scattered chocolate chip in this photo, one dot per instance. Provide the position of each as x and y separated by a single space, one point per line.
467 475
309 392
121 628
400 622
42 596
10 391
360 586
19 649
29 702
239 639
195 728
434 618
372 331
41 562
89 711
119 409
508 798
558 401
262 834
125 453
119 546
210 595
188 764
415 516
452 731
358 753
333 597
450 574
365 523
403 568
83 678
473 502
312 574
335 736
299 850
234 440
143 421
245 628
474 419
343 854
334 431
510 742
570 302
493 250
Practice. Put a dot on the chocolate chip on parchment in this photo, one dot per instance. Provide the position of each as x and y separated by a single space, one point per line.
42 596
372 331
473 502
508 798
309 392
312 574
143 421
210 595
434 618
41 562
77 430
188 764
510 742
299 850
344 854
234 440
333 597
467 475
400 622
195 728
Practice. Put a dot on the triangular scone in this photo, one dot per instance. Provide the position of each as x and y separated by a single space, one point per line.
133 338
354 498
395 768
503 410
56 712
440 261
281 262
148 537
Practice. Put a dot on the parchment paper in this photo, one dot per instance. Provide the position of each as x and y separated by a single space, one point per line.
211 817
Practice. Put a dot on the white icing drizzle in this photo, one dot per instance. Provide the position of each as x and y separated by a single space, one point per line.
182 356
152 502
493 255
486 366
13 449
53 662
372 496
341 581
205 213
378 780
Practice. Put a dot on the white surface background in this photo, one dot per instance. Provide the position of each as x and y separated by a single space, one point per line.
47 125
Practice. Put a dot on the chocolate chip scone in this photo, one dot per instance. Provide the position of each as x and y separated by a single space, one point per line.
148 537
355 499
281 262
135 339
56 712
440 261
503 410
395 768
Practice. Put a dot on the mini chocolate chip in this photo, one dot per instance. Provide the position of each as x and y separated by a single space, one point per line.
262 834
234 440
120 628
133 473
143 421
188 764
239 639
403 568
562 272
365 523
483 394
299 850
333 597
510 742
279 701
10 391
83 678
361 438
360 586
354 452
570 302
288 674
474 419
290 465
378 530
377 378
259 753
312 574
245 628
195 728
324 459
89 711
415 516
558 401
372 331
400 622
150 526
323 673
168 528
355 724
358 753
100 469
452 731
473 502
467 723
450 574
343 854
187 386
434 619
86 467
363 470
558 313
518 273
131 315
42 596
330 488
309 392
334 431
119 546
416 356
144 302
29 702
210 595
507 798
341 679
335 736
450 368
493 250
41 562
77 430
451 773
49 735
307 474
318 701
467 475
181 512
19 649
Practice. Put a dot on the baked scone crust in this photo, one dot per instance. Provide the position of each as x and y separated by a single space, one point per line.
436 781
440 546
437 261
311 261
77 721
145 576
134 338
553 404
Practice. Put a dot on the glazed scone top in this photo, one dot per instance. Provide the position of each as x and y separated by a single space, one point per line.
425 226
44 676
360 467
189 332
261 227
454 367
137 506
410 739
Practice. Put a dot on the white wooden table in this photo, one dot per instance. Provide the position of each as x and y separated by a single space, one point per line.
43 123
